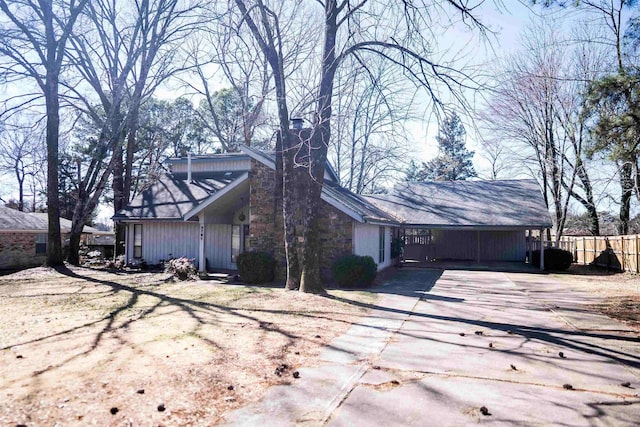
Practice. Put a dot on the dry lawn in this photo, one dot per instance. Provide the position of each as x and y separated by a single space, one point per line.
619 292
88 347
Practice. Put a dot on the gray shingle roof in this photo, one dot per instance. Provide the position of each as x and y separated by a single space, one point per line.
502 203
368 211
11 219
65 224
173 196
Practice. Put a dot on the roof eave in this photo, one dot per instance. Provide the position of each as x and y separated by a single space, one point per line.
217 195
341 207
478 227
380 221
258 156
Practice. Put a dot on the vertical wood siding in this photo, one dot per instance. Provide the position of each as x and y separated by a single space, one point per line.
366 238
218 246
463 245
164 240
213 165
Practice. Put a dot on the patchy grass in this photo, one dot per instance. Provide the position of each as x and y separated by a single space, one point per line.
619 292
76 343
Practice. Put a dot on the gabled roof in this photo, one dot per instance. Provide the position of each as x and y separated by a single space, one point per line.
173 196
454 204
479 204
269 159
232 190
351 204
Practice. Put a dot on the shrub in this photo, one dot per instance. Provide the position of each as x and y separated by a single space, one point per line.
397 246
182 268
255 267
94 254
354 271
117 264
554 259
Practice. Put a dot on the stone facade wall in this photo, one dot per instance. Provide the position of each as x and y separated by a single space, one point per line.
266 225
18 250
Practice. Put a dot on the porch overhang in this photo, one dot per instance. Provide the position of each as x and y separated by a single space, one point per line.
232 191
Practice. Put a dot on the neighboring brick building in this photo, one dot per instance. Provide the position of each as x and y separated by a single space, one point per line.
23 238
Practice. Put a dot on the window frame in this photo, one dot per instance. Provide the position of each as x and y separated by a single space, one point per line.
382 244
41 243
137 241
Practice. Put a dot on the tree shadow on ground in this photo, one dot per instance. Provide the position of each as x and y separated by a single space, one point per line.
202 313
420 284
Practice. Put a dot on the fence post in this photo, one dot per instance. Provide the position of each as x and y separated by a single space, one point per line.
637 254
622 254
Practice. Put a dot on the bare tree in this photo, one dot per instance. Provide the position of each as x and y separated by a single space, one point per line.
615 82
500 157
348 32
121 57
34 39
369 140
21 144
539 103
234 113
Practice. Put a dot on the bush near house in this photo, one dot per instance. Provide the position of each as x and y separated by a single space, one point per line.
554 259
255 267
354 271
182 268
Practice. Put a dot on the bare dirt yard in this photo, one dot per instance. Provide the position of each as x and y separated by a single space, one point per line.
89 347
620 292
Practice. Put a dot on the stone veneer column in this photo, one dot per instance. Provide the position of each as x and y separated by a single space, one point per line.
266 232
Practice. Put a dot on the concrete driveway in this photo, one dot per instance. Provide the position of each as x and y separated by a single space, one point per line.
441 346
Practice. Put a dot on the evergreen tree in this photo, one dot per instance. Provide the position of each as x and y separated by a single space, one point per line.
453 162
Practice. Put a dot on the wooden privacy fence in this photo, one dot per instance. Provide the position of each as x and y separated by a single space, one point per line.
613 252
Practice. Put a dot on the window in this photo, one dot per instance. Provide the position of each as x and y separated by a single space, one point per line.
235 242
381 252
41 244
137 241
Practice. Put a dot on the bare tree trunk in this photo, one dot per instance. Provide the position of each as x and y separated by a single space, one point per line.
119 188
54 241
49 44
310 280
626 187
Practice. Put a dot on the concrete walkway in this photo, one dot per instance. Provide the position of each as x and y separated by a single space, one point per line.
440 347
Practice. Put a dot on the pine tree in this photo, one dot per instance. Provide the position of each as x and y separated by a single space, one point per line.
453 161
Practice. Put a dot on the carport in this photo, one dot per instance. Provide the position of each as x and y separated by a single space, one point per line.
481 221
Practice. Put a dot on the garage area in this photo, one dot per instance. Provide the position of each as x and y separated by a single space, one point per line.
465 245
479 221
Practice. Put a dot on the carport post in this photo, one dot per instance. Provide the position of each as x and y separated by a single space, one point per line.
478 236
202 267
542 249
530 245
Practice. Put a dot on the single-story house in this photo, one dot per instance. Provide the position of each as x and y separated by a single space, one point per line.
24 235
212 208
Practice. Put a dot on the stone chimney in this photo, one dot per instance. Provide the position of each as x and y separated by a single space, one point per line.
296 122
